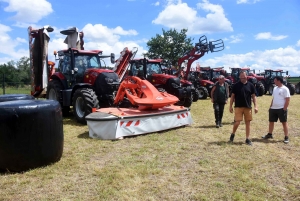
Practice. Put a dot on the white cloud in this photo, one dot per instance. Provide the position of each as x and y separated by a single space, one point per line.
269 36
298 43
247 1
282 58
100 33
10 45
28 11
175 16
156 3
236 38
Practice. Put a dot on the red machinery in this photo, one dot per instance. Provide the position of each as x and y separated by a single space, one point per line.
204 86
253 78
151 70
82 82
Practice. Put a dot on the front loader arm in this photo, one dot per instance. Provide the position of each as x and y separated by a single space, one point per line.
199 50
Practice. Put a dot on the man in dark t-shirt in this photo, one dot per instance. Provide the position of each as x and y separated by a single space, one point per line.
242 93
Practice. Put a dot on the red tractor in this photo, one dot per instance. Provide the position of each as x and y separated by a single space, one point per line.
212 74
81 80
151 70
203 85
268 80
255 80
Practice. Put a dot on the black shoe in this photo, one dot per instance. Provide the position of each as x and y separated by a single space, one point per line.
217 125
231 137
286 139
220 124
248 142
268 136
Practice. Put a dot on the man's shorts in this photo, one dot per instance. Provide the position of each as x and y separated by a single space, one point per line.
275 114
240 112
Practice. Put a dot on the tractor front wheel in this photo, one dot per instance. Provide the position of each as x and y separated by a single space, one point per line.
271 87
203 93
84 100
291 88
260 89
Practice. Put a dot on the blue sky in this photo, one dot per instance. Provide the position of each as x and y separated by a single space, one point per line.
257 33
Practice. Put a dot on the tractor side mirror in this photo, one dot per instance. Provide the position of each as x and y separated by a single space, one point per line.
112 58
287 72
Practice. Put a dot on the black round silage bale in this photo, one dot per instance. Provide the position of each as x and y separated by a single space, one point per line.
12 97
31 134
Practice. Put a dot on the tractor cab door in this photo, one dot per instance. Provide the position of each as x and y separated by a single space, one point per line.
152 69
65 67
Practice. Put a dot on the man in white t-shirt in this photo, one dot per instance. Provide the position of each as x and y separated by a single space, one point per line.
278 108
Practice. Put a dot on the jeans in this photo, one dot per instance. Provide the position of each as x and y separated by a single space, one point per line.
219 110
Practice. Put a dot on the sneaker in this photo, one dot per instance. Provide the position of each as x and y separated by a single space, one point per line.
286 139
220 124
268 136
248 142
217 125
231 137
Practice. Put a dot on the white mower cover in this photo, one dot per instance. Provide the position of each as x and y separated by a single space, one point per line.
106 126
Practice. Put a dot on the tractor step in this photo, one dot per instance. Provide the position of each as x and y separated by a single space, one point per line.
114 123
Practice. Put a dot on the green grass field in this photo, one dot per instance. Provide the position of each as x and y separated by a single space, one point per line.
190 163
15 90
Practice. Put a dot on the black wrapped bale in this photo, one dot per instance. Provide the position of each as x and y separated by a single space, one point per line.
31 134
12 97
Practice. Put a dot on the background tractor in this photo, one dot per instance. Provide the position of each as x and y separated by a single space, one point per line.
212 74
268 80
255 80
151 70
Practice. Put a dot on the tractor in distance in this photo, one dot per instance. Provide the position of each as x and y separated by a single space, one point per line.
151 70
203 86
268 80
213 74
255 80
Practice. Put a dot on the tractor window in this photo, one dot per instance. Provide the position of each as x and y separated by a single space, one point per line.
216 74
154 68
66 64
94 62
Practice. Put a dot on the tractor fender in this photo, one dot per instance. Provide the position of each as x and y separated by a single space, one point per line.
59 76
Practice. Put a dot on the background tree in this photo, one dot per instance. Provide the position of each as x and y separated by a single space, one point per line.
16 73
170 46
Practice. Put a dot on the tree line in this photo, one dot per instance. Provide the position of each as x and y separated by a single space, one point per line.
16 73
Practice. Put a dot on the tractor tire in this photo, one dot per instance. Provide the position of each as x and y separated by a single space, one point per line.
195 94
54 93
203 93
31 134
188 102
84 100
291 88
271 87
297 88
260 89
12 97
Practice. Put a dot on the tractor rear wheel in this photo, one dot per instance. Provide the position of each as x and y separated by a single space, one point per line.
195 94
203 93
291 88
260 89
84 100
297 88
271 87
54 93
